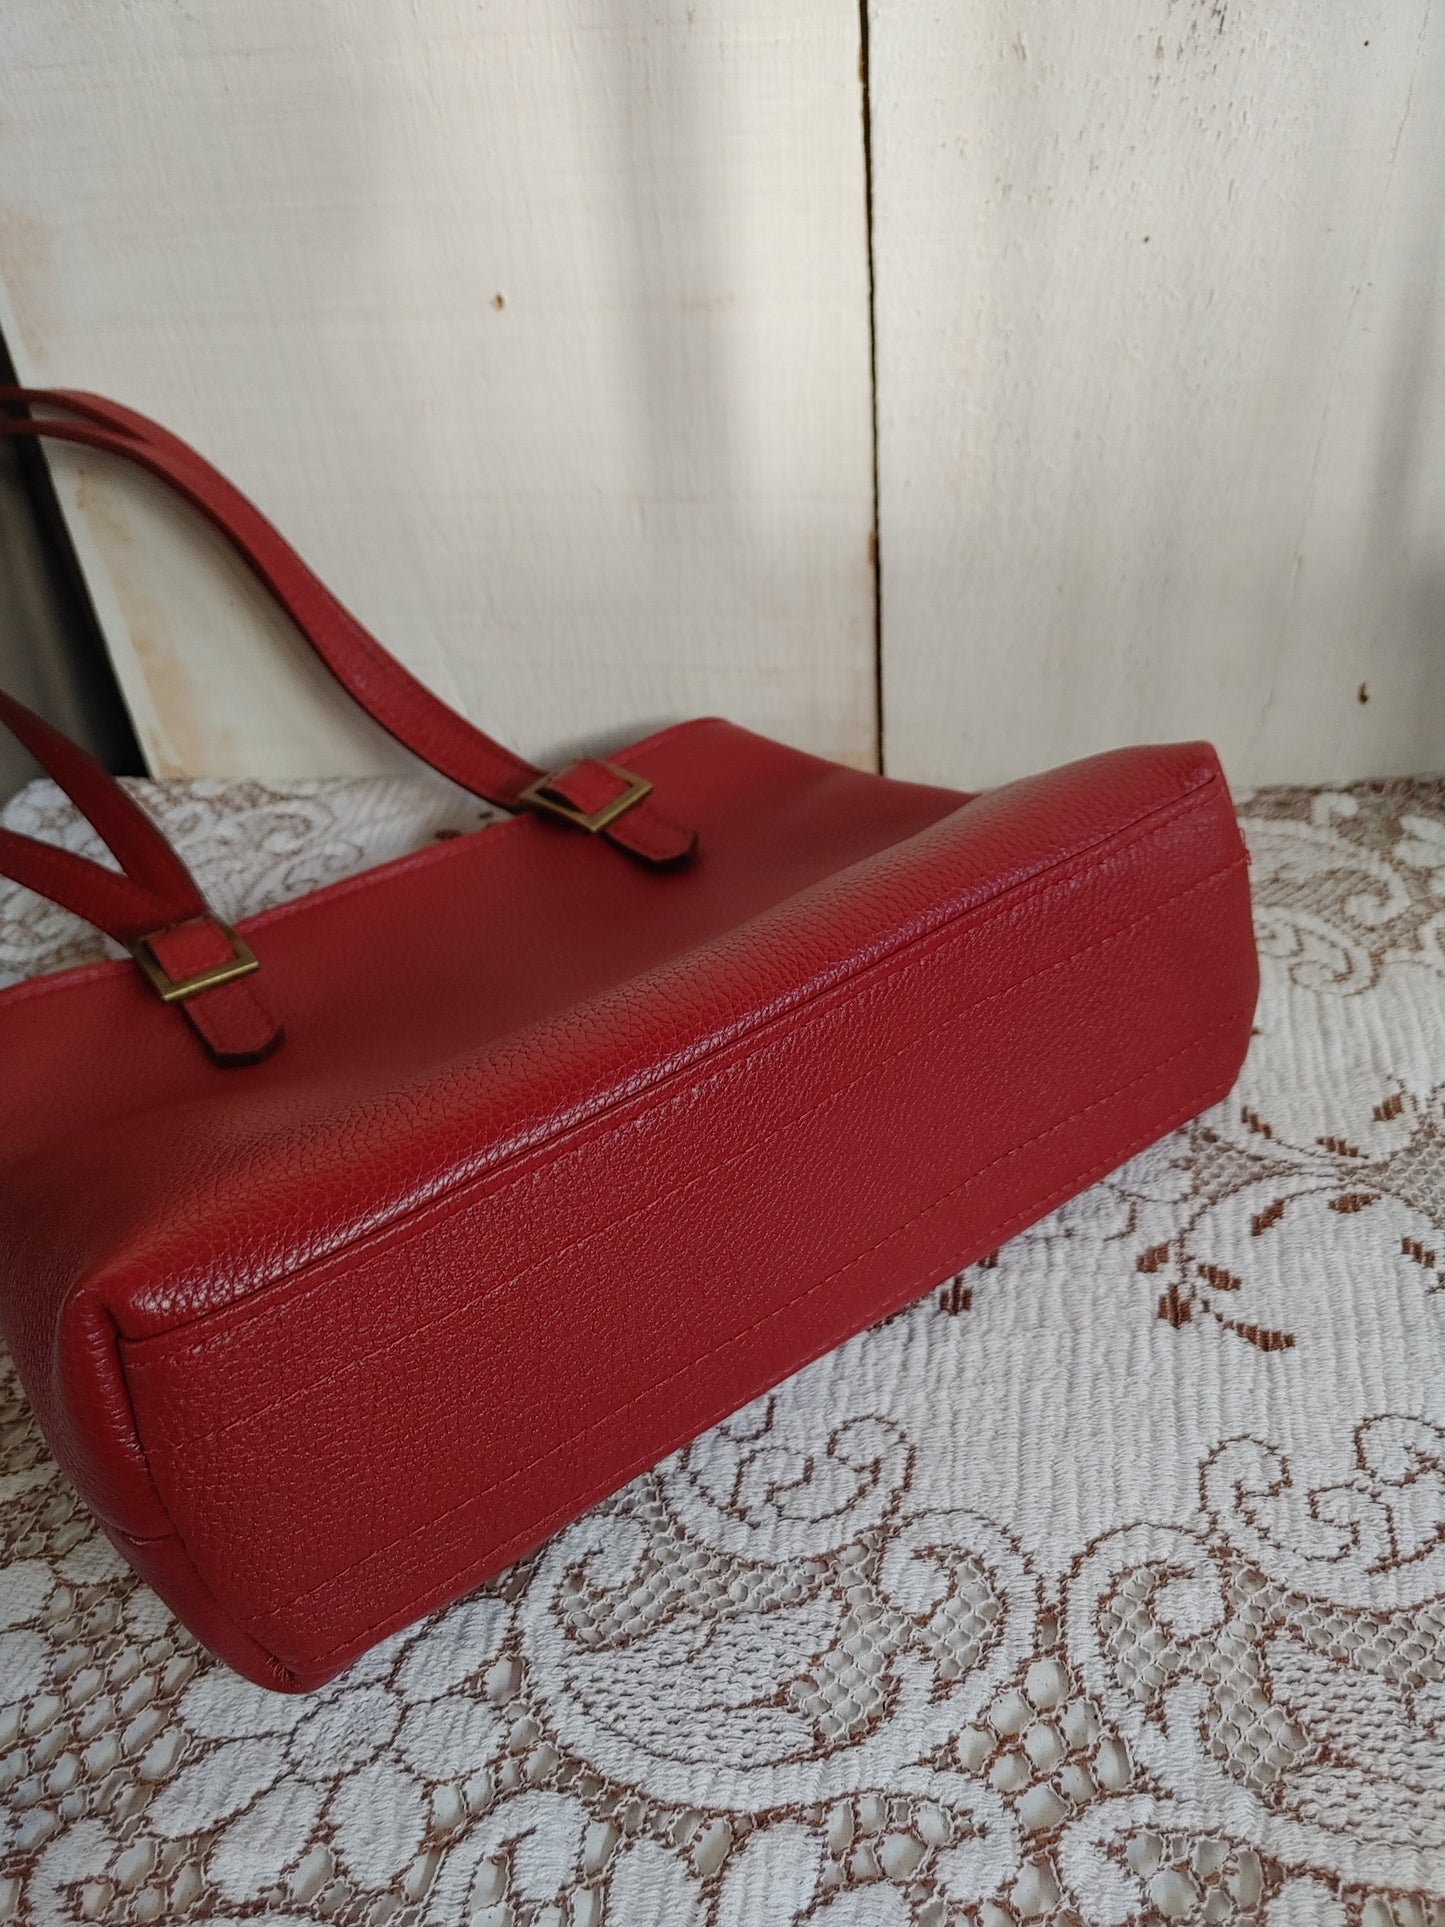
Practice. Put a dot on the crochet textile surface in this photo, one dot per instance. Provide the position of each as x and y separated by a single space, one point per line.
1105 1585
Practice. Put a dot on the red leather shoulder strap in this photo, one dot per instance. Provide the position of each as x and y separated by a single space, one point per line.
589 794
151 904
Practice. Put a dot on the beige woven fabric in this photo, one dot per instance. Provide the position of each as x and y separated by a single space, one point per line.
1105 1585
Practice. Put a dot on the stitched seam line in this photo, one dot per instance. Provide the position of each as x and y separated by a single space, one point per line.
886 972
789 1125
497 1557
777 1311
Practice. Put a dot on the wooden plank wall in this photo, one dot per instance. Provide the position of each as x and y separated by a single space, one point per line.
540 325
543 326
1161 382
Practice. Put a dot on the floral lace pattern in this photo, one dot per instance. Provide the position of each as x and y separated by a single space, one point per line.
1105 1585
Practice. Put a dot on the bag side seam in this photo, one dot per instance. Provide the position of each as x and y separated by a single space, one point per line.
286 1677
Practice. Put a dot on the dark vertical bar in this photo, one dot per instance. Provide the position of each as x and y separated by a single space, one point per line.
874 547
52 654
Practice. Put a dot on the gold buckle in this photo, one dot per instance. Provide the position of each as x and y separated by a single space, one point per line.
536 796
175 990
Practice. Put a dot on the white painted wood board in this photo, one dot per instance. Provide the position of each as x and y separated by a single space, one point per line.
541 326
1161 382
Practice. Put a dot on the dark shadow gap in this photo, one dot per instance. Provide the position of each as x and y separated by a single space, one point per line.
875 547
52 652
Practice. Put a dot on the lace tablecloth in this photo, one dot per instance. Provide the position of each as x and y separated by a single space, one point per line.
1105 1585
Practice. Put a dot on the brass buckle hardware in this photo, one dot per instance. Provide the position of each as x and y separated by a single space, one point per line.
535 795
175 990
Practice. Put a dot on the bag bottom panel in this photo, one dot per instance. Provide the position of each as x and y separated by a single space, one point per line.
616 1299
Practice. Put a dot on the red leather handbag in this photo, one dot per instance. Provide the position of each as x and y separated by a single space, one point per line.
349 1253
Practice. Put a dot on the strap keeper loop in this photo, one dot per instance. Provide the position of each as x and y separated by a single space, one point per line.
175 990
547 795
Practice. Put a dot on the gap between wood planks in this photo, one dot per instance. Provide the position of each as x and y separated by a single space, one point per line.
874 547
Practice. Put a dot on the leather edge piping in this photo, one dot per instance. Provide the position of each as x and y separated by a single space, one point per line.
285 1679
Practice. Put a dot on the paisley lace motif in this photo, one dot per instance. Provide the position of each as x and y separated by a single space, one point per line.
1105 1585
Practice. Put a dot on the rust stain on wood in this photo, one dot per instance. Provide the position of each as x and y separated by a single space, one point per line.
190 733
28 253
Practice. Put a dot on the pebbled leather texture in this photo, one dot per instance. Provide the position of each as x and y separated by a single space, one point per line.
567 1155
151 897
563 1160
